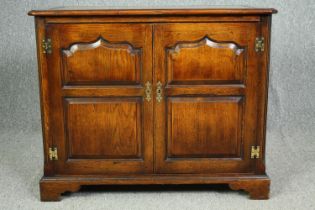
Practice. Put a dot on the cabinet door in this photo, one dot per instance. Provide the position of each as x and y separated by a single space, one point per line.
100 120
206 118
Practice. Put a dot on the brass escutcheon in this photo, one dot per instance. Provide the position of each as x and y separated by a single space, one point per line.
148 91
159 91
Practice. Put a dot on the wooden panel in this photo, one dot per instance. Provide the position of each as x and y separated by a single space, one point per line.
206 121
224 90
149 11
104 128
154 19
51 188
101 62
262 92
102 91
99 128
208 127
101 54
205 61
83 26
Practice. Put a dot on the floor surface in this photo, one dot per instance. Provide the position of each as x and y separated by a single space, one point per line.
291 169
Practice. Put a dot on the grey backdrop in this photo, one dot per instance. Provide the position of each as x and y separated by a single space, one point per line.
292 74
291 112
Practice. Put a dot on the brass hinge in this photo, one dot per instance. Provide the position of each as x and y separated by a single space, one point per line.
255 152
46 46
259 44
53 153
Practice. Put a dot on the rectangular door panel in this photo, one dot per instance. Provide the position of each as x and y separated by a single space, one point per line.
98 74
194 131
205 115
104 128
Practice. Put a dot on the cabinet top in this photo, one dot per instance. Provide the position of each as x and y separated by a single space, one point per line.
152 11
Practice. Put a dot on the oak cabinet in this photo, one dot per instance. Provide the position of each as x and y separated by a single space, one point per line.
164 96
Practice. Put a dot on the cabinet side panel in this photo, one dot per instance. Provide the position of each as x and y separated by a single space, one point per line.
44 89
263 92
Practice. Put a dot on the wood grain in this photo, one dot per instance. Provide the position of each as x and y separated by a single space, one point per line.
104 128
194 131
205 61
84 129
213 97
153 19
101 62
152 12
256 185
257 189
238 124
